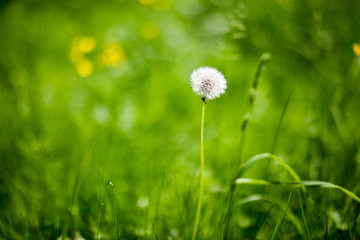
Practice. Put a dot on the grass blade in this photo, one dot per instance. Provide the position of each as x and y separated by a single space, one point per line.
281 221
263 199
265 156
265 57
303 216
320 184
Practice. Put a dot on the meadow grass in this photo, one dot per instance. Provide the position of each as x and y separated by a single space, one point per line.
100 136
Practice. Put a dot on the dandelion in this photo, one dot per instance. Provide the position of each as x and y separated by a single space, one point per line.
209 83
356 49
84 67
113 55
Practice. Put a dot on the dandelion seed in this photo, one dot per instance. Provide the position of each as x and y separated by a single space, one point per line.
208 82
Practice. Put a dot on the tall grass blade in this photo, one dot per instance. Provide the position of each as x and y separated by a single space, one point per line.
319 184
265 156
281 221
278 131
280 121
242 169
303 216
265 57
117 222
263 199
77 185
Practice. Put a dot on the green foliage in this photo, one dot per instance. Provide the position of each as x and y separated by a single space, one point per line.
100 130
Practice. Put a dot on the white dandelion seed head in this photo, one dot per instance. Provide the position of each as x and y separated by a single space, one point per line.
208 82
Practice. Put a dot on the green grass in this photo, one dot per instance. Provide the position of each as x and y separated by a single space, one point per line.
99 91
281 220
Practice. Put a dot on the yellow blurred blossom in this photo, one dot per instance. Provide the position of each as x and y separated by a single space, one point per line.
86 44
80 46
84 68
113 55
150 30
356 49
146 2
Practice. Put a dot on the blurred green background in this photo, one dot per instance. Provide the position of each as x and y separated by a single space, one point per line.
100 129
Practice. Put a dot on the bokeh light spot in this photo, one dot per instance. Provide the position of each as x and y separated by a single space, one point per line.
100 114
143 202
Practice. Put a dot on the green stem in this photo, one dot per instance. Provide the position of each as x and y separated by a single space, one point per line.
198 211
303 216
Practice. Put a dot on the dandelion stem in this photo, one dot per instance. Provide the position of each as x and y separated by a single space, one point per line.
198 211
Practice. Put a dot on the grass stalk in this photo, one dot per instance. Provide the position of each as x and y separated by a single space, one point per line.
237 163
252 96
117 222
303 216
77 185
298 184
281 221
280 122
198 211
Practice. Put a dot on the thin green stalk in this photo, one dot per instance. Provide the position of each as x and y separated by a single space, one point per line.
303 216
77 185
198 211
281 121
349 227
298 184
277 134
281 221
265 57
117 222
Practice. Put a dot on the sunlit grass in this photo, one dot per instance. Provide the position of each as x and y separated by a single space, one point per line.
100 132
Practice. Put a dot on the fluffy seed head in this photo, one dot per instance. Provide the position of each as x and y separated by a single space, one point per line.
208 82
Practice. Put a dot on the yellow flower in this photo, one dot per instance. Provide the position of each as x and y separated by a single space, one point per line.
113 55
84 68
356 49
86 44
80 46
